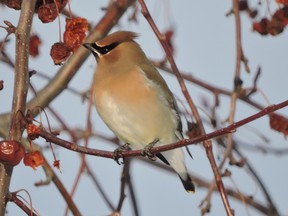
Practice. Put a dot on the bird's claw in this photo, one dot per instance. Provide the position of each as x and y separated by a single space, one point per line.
117 154
147 150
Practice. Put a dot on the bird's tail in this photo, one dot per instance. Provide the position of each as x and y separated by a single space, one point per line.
188 183
175 158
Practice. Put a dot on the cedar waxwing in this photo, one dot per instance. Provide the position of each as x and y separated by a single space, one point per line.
134 101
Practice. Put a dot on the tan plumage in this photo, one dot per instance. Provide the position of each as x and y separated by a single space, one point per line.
134 101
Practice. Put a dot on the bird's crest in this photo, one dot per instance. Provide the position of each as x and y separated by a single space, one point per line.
117 37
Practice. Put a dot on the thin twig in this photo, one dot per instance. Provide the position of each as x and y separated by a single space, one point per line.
60 186
59 83
271 206
13 198
108 154
237 82
83 164
260 148
234 95
201 182
207 143
133 196
210 87
272 209
99 187
114 12
124 179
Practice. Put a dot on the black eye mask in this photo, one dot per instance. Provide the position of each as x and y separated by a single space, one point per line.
105 49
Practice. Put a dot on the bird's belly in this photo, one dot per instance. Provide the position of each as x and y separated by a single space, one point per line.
137 122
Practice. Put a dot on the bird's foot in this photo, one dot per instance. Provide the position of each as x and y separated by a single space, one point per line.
147 150
118 153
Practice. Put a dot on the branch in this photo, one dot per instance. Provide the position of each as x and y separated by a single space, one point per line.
210 87
272 209
66 73
223 131
60 186
241 197
237 82
21 81
27 209
234 95
265 208
59 83
124 180
206 143
131 153
61 80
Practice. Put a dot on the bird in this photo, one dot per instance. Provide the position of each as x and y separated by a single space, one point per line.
134 101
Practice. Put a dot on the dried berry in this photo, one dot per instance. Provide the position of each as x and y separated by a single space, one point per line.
60 4
32 131
243 5
75 32
279 123
1 84
34 45
281 15
275 27
60 52
56 164
253 13
11 152
33 159
15 4
284 2
47 13
261 27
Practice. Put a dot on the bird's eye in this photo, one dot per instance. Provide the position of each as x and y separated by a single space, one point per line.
106 49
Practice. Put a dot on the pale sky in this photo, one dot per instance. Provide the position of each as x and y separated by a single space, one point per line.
205 46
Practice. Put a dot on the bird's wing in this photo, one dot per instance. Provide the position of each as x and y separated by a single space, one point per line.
154 75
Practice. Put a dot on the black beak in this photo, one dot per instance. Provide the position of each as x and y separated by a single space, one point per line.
87 46
90 47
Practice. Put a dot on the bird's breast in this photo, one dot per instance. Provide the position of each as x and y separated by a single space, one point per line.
134 108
